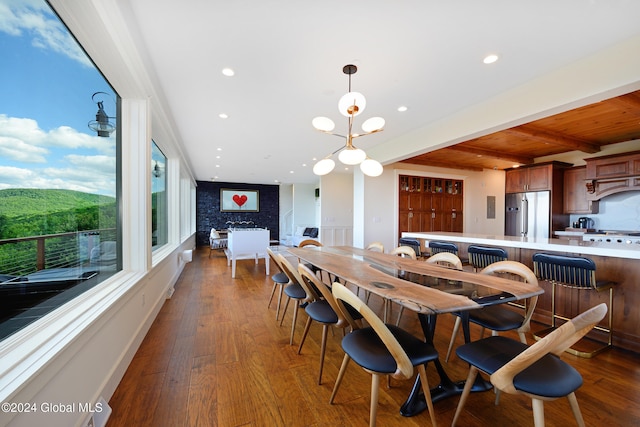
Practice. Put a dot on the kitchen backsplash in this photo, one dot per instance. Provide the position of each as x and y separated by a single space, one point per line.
617 212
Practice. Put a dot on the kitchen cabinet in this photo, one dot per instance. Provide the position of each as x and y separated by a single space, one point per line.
575 192
532 178
430 204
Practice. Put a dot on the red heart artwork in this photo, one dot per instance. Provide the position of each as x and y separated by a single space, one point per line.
240 200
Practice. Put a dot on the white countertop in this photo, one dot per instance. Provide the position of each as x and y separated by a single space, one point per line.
615 250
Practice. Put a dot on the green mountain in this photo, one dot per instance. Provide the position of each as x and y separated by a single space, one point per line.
32 212
20 202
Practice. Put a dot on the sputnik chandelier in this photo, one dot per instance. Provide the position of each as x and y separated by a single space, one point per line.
350 105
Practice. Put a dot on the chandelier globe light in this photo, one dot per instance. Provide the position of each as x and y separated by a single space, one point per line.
350 105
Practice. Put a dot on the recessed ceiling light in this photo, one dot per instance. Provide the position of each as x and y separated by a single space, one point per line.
219 149
290 171
223 116
217 166
402 108
217 157
490 59
304 165
228 72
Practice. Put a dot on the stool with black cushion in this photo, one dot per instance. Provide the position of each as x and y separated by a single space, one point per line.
578 273
482 256
413 243
436 247
535 371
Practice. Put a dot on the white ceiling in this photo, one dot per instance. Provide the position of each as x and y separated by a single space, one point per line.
288 57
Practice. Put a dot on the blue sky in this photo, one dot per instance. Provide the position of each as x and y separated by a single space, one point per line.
46 85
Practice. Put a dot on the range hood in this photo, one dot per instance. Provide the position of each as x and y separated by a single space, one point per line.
612 174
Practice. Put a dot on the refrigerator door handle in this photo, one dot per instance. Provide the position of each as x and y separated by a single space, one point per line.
524 216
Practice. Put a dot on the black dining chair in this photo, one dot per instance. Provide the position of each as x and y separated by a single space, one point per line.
498 318
535 371
381 349
294 291
279 279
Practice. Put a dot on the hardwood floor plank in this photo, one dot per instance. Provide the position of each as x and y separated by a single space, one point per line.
215 356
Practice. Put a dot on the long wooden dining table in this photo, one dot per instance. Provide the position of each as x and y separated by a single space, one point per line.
424 288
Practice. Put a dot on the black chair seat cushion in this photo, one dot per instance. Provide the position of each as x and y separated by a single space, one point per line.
321 312
367 349
295 291
548 377
280 278
496 318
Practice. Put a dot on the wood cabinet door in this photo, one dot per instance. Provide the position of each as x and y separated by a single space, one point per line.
575 191
515 180
539 178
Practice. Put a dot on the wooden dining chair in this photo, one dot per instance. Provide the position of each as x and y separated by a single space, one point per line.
535 371
375 246
323 309
280 279
499 318
309 242
294 291
381 349
404 251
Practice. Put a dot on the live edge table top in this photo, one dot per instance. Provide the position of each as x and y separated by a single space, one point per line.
414 284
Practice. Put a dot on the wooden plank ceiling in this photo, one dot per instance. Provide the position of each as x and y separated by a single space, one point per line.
585 129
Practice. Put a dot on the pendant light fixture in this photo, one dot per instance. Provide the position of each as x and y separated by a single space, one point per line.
350 105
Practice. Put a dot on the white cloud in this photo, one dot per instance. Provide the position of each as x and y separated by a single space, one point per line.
33 17
17 150
29 133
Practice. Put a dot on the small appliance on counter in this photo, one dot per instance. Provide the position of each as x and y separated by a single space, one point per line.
585 222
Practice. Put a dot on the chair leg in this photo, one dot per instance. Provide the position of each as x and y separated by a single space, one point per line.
293 322
422 371
284 310
538 412
471 378
343 369
575 408
454 334
375 391
304 334
323 348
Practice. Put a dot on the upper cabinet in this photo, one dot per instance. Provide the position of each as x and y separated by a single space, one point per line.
532 178
575 192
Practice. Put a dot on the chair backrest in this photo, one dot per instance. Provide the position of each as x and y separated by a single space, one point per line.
404 368
294 278
574 272
309 242
555 343
376 247
312 281
446 259
437 247
275 259
482 256
404 251
515 268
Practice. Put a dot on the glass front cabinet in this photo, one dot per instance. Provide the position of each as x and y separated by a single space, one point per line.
430 204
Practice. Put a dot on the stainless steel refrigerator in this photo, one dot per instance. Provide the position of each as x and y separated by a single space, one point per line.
528 214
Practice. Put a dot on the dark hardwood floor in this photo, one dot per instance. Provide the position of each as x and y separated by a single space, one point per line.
215 356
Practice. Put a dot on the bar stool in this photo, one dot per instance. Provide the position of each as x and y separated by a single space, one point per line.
413 243
437 247
578 273
481 256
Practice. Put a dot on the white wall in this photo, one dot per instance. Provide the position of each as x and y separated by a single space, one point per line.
336 209
304 205
286 210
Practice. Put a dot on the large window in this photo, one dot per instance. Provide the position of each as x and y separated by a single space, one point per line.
59 227
159 212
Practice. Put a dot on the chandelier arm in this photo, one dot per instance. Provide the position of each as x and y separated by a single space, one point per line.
358 135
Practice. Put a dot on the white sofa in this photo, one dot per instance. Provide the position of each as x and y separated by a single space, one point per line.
304 233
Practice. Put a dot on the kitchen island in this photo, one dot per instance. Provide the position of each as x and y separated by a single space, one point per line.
618 262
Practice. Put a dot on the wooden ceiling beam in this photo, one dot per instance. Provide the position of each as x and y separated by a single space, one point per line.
554 138
500 155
